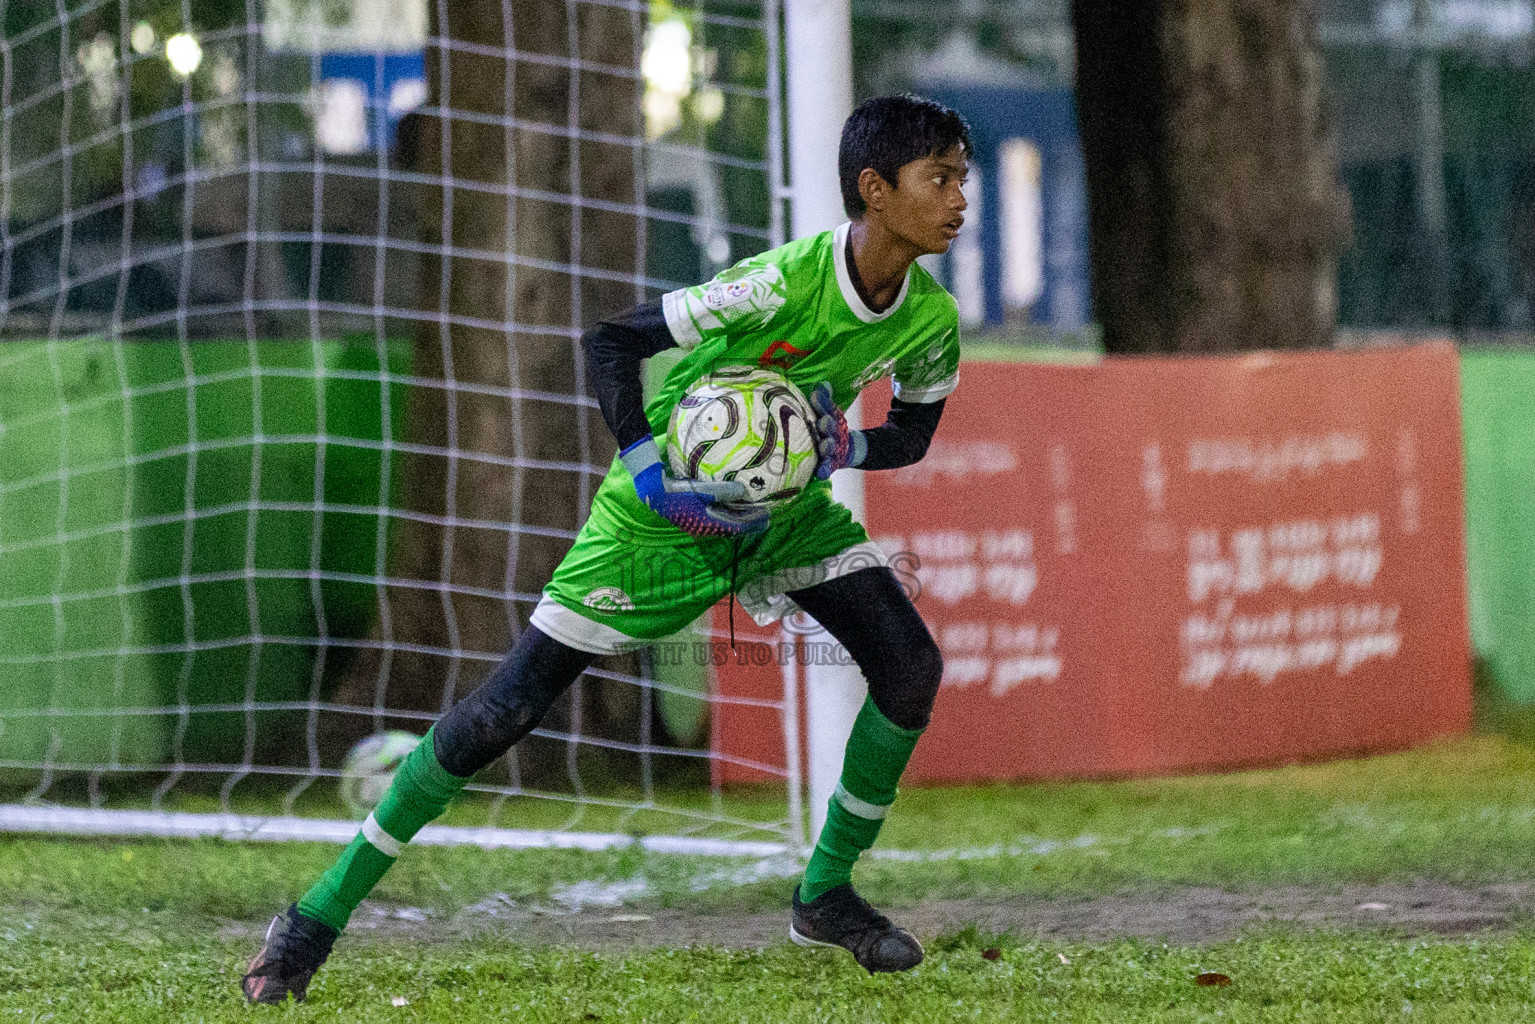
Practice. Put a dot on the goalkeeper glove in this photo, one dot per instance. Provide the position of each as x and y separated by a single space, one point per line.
840 446
693 506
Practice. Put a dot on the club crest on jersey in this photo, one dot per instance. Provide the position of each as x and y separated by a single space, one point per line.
608 599
781 354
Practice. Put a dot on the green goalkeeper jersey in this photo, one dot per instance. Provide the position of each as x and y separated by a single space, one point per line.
794 308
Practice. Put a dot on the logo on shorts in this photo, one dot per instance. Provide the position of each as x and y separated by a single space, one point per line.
608 599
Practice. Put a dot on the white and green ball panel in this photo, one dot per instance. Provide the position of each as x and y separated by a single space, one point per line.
747 424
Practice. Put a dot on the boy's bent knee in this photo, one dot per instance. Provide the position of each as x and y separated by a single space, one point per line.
905 685
508 705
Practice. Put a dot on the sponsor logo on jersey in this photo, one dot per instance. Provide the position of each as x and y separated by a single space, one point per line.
721 295
747 295
608 599
781 354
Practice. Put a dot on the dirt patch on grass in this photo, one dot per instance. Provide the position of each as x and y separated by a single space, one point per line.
1197 915
1187 915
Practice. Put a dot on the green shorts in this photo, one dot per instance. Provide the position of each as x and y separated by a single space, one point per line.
632 578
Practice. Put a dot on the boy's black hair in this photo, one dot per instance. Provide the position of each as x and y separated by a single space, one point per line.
888 132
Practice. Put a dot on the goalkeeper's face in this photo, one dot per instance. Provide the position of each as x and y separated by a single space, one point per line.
927 208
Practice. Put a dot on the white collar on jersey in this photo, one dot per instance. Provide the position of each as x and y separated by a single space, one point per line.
845 281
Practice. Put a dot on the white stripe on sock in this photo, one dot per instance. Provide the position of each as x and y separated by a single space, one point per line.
385 843
862 808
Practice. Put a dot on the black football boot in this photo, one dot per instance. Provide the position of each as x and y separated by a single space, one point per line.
841 917
294 949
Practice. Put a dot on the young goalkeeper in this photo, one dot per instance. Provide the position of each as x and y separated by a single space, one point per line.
834 312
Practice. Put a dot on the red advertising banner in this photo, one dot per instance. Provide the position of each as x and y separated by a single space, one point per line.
1149 565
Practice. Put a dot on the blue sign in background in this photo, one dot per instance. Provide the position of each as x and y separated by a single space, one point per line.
377 73
1048 119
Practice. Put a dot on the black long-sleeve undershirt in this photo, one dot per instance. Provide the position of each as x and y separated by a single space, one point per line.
904 436
614 348
613 351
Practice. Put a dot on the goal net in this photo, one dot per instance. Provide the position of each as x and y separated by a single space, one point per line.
293 423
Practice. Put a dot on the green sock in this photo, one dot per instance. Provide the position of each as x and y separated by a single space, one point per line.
420 792
877 753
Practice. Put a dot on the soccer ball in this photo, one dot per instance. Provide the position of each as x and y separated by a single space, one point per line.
746 424
369 768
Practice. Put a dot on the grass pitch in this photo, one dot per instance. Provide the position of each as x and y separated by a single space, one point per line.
141 973
159 930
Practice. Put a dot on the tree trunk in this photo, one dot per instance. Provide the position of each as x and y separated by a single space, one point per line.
503 419
1216 207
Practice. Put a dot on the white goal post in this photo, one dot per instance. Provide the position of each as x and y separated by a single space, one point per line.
818 39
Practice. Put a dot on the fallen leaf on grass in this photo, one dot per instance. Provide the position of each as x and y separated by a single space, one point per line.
1212 978
991 954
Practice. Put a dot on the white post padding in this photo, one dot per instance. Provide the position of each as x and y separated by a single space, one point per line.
793 759
818 55
818 62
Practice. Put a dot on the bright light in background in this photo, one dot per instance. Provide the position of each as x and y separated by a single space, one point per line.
667 63
1023 223
98 58
709 104
142 38
184 53
226 73
341 117
667 66
406 95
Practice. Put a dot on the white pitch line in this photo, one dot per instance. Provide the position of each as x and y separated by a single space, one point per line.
80 821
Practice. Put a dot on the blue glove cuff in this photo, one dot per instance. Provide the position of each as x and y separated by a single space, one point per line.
640 456
860 448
